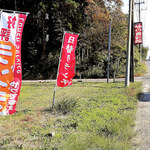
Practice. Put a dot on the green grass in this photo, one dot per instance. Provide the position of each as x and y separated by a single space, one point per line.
140 69
87 116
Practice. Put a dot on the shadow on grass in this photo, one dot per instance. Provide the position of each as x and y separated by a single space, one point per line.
144 97
39 84
24 111
101 85
47 110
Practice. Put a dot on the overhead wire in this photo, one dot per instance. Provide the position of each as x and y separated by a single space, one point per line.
136 11
144 20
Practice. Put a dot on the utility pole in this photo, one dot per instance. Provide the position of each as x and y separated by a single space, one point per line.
132 46
140 21
128 45
109 43
139 10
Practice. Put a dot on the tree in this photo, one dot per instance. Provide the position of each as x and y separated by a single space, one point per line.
44 27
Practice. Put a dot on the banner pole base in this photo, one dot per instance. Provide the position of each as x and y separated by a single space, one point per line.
54 99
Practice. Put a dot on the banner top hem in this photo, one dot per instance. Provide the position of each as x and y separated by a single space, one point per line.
15 11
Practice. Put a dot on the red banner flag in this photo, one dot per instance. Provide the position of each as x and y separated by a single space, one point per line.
138 33
11 28
67 62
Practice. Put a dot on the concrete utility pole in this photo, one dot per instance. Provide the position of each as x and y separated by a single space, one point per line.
132 46
139 10
109 43
128 45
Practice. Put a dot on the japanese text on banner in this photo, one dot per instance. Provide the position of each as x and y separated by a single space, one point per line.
11 28
138 33
67 62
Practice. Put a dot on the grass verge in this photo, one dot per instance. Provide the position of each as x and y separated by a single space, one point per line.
87 116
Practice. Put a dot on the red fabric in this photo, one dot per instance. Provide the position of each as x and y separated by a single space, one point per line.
16 84
11 28
138 33
67 62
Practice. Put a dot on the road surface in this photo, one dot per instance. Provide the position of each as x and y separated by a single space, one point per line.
142 140
82 80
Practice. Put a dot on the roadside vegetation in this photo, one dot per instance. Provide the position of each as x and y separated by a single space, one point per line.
43 34
86 116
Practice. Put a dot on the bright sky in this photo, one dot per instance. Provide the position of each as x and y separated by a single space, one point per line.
145 15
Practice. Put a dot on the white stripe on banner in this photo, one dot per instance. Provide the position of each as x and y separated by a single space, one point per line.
5 53
2 93
1 106
5 47
3 99
3 84
3 61
6 71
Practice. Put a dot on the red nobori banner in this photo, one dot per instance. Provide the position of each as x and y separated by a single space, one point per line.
67 62
11 28
138 33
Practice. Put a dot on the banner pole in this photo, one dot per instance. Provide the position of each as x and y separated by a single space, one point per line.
58 70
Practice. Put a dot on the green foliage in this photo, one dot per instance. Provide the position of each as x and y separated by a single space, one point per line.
140 69
144 52
94 72
43 32
72 3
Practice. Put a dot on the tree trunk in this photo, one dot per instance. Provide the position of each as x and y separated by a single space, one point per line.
87 53
15 3
43 34
82 53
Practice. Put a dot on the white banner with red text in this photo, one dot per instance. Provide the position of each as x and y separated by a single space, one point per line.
67 63
11 28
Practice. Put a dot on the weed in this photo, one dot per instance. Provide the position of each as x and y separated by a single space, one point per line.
66 105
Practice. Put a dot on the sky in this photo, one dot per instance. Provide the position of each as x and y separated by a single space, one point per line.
145 19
